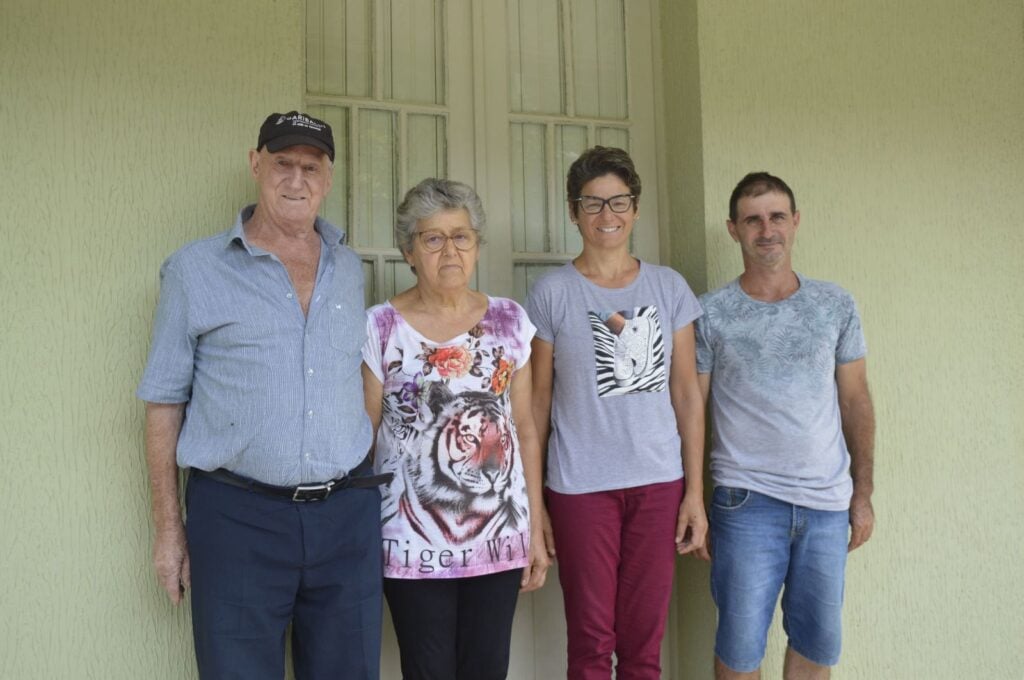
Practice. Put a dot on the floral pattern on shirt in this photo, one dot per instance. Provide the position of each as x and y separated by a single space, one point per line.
457 505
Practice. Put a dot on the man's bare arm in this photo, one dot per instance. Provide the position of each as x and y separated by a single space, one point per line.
170 553
704 381
858 416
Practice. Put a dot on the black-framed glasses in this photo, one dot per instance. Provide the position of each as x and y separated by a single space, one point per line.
592 205
433 241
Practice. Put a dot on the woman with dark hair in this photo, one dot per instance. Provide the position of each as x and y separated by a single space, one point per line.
446 375
617 401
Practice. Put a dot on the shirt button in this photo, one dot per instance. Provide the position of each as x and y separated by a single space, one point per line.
310 414
309 372
289 296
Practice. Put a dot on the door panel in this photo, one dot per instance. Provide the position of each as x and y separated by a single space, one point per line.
528 187
413 50
503 95
535 76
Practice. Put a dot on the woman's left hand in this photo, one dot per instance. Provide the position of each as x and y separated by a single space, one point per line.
692 525
536 571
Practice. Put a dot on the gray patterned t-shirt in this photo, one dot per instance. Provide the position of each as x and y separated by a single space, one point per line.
774 401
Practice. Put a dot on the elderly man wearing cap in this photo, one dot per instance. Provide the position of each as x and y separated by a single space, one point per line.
253 384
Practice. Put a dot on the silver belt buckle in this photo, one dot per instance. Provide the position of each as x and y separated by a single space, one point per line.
315 489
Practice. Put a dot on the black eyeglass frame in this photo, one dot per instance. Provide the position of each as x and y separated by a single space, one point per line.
606 202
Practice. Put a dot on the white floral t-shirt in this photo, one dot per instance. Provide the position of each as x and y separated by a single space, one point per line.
457 505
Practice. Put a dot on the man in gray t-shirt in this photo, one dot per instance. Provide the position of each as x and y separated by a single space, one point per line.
782 358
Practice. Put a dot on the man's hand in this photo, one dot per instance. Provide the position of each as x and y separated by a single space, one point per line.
170 560
704 552
862 521
858 416
692 525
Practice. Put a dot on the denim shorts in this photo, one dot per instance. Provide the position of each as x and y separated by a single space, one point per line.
760 544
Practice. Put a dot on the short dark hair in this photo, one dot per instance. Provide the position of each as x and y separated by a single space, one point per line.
756 184
599 161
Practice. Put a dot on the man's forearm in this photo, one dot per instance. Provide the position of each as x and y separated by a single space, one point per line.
859 430
170 553
163 426
858 419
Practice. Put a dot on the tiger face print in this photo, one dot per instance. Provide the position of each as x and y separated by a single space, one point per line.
463 474
474 448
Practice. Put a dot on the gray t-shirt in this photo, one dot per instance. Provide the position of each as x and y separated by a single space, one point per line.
774 401
612 422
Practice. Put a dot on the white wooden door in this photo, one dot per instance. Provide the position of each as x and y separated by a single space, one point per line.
503 95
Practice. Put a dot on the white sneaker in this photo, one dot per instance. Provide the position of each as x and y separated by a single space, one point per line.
634 351
622 367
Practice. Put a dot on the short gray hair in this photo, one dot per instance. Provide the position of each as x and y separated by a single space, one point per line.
430 197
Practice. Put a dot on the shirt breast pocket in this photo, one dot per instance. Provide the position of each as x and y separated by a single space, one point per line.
347 326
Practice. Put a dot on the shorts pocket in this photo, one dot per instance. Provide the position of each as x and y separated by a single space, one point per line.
730 497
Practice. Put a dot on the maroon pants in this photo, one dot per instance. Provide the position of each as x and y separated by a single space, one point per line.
616 558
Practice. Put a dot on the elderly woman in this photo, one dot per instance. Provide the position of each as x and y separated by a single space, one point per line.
446 372
615 371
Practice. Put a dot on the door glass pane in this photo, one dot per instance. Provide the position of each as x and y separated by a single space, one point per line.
526 274
369 283
534 56
570 142
529 197
427 152
397 277
413 50
599 58
609 136
376 181
339 47
335 206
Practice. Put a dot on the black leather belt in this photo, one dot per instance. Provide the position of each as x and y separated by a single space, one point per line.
303 492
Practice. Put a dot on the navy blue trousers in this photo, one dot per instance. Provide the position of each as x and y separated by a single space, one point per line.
260 562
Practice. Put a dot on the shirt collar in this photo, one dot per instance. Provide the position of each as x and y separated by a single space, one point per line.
329 234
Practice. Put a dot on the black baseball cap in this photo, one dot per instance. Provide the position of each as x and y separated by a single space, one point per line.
281 130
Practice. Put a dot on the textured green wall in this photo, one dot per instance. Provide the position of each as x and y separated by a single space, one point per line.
900 126
125 126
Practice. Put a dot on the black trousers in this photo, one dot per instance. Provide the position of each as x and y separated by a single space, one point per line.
454 629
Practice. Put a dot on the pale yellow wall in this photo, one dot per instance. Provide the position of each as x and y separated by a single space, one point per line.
124 126
900 126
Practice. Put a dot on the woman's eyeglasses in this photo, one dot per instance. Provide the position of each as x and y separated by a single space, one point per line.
434 241
592 205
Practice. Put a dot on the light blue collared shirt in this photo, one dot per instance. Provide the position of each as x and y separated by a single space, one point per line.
271 394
